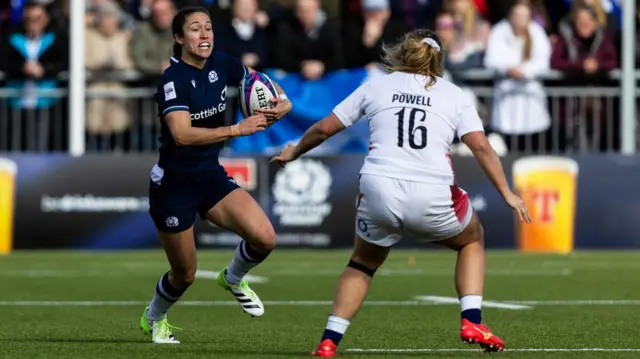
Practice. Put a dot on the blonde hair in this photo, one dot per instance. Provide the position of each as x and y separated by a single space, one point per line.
528 41
418 52
469 17
600 15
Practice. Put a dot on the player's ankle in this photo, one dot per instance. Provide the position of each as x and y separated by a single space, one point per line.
336 327
231 279
471 308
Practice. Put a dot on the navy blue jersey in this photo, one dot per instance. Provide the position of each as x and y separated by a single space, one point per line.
202 92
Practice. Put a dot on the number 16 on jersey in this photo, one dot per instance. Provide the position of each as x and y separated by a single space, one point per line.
417 131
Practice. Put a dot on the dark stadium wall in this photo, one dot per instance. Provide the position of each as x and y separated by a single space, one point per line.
100 202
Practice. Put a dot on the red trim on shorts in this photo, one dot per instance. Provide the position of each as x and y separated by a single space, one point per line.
360 195
448 156
460 200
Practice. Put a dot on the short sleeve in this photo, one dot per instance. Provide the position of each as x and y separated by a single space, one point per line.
236 71
468 119
351 109
172 96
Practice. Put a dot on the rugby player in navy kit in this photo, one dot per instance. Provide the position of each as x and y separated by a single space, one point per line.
189 179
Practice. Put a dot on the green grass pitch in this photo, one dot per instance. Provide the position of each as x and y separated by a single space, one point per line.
87 305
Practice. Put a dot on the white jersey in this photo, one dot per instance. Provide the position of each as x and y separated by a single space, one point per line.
411 128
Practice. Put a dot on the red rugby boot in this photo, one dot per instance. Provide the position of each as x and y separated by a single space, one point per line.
326 349
480 334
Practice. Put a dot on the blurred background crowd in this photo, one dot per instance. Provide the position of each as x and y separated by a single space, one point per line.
544 69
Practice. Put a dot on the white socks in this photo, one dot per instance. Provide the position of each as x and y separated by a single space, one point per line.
470 302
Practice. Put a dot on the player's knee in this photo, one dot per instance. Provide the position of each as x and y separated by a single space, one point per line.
365 268
184 278
478 235
474 237
265 239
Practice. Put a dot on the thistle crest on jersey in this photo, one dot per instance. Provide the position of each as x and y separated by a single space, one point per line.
256 92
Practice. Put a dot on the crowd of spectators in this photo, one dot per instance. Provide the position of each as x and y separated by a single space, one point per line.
519 40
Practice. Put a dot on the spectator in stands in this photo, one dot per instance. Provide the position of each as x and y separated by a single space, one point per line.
464 38
125 20
5 18
472 31
540 15
32 59
519 53
151 41
140 9
606 20
308 42
414 14
584 48
365 26
106 53
244 37
585 52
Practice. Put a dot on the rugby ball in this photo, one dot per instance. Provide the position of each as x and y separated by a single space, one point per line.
256 92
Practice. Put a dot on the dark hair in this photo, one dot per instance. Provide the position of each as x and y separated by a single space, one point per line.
178 23
32 4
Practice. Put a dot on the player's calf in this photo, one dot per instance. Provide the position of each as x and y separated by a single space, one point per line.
352 288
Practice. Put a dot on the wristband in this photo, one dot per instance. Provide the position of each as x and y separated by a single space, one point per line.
283 96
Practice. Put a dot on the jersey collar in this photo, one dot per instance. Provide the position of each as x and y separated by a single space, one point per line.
178 62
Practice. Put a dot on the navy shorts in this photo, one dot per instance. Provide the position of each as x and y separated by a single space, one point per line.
175 198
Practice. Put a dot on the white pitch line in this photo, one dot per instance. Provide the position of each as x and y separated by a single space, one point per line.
202 303
575 302
527 304
208 274
303 303
485 303
441 350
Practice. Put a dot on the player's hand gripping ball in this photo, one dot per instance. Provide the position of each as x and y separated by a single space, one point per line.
258 95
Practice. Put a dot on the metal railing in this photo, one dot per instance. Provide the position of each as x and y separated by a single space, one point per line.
117 120
125 120
583 120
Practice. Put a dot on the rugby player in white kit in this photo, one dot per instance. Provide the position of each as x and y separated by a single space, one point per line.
407 183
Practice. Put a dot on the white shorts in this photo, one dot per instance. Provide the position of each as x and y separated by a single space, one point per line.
387 207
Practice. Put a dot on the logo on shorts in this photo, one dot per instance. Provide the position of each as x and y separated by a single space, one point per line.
301 190
363 227
172 222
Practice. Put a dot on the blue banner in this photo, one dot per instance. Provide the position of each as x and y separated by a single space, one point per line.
312 101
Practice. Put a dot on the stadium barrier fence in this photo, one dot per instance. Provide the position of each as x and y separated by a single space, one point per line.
101 201
124 120
120 116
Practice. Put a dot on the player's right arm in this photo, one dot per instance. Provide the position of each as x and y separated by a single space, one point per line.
471 133
174 105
